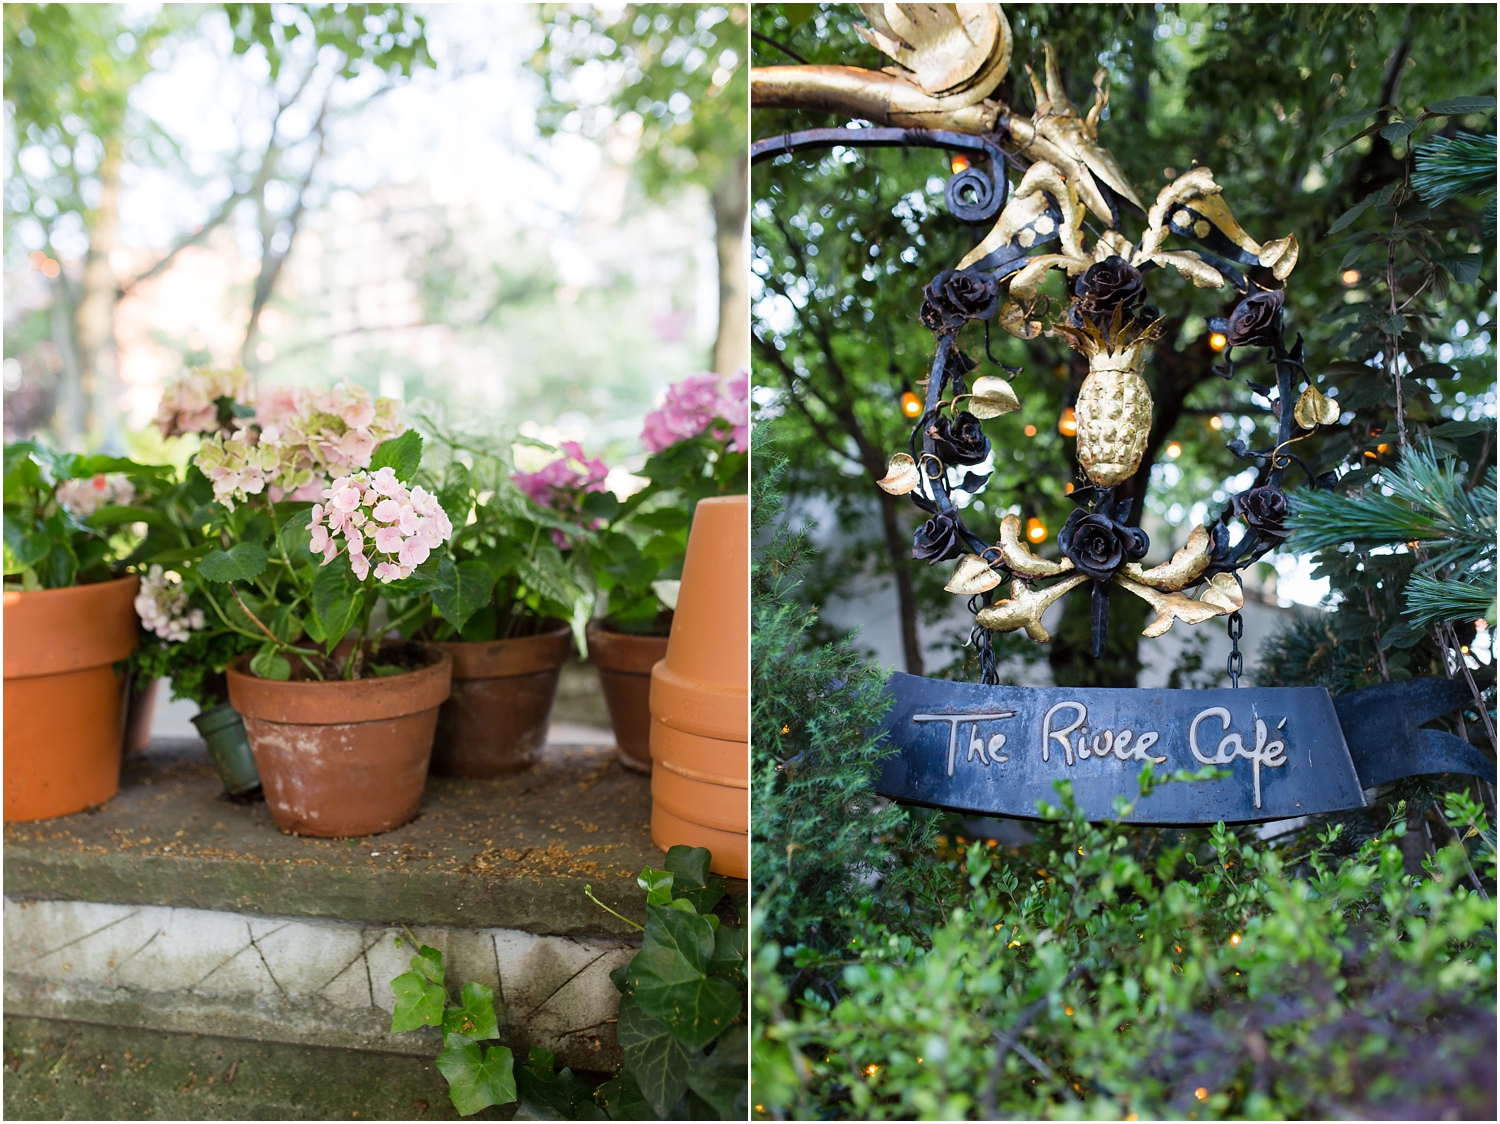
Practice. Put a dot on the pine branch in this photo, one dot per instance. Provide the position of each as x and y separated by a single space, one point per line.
1451 167
1430 600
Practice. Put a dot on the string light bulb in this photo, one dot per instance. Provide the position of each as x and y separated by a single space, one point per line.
1030 431
911 405
1036 530
1174 450
1350 277
1218 341
1216 422
1067 423
959 163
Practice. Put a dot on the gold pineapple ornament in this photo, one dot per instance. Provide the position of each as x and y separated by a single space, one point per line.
1114 403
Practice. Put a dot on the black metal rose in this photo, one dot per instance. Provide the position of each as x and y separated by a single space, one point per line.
1265 510
956 296
1099 546
959 441
1105 286
1256 320
937 539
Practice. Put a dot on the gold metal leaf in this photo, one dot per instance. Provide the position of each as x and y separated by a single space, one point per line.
1018 557
1280 256
993 396
1313 409
945 48
1184 567
1221 597
1024 608
1191 266
1013 319
972 575
901 475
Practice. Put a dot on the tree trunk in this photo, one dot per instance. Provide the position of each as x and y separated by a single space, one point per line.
731 199
69 413
99 377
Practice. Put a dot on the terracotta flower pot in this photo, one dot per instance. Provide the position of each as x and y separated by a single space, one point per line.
495 721
140 712
625 661
346 757
64 716
700 695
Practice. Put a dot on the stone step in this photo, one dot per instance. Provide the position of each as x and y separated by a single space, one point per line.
77 1071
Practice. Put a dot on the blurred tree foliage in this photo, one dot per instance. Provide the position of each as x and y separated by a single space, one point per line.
69 73
668 83
843 242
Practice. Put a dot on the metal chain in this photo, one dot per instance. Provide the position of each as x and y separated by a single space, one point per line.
1236 660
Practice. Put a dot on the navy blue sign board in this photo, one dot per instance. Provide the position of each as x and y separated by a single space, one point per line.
1289 751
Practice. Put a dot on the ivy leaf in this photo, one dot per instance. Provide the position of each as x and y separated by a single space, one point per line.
269 663
475 1017
658 886
729 952
239 563
723 1080
655 1057
622 1099
419 1002
476 1078
403 454
670 980
1461 105
548 1096
691 880
429 962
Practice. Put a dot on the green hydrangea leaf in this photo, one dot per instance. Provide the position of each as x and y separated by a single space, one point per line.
403 454
240 563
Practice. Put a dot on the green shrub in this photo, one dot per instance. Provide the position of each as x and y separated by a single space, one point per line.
1107 972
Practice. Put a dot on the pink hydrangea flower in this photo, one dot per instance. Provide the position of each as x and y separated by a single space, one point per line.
691 407
375 514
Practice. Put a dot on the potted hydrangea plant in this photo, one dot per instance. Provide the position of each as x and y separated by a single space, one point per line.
511 599
312 522
698 441
70 521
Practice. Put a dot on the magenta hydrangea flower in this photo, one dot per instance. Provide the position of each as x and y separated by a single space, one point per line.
691 407
561 484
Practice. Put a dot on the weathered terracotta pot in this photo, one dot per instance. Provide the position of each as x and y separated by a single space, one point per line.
64 716
625 661
342 758
700 695
495 721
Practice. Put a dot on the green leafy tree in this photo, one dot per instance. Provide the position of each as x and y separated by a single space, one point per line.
674 87
70 70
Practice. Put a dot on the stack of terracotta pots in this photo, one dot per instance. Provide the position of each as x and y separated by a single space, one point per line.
700 695
64 701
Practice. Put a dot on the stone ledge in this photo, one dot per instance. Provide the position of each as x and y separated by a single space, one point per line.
511 853
291 980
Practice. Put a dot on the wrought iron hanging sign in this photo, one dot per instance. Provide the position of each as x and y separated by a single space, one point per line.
950 58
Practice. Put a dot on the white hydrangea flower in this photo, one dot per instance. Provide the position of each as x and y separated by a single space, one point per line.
162 605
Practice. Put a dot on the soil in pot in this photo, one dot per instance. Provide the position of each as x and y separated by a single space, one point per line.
344 757
625 660
495 721
64 703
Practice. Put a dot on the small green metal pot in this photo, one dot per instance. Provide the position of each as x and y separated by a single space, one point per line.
224 731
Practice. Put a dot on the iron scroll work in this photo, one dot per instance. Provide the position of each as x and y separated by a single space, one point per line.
997 750
1288 751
